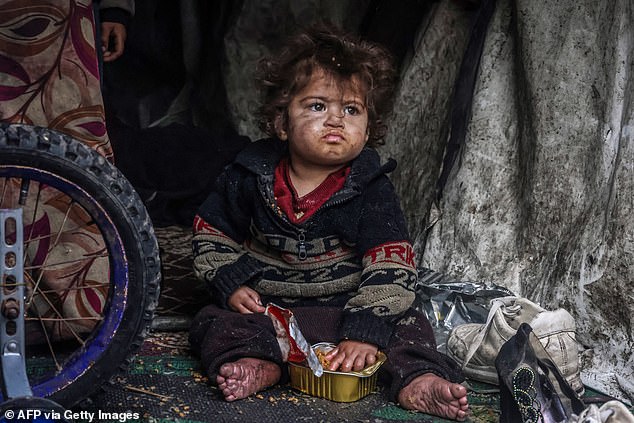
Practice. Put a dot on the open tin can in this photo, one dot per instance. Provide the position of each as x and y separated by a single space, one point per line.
335 386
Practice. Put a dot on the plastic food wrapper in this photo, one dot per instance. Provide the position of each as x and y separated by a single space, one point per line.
449 303
294 346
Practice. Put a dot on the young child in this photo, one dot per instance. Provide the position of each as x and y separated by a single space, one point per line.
309 220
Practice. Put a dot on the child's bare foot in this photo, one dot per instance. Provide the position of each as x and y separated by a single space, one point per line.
246 376
432 394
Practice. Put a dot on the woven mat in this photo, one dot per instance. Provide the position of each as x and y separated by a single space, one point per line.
165 383
182 294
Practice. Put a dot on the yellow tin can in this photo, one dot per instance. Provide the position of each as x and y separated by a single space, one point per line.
335 386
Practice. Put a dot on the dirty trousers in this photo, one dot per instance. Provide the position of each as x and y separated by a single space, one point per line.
220 336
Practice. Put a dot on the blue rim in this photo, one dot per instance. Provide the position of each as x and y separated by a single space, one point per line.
85 357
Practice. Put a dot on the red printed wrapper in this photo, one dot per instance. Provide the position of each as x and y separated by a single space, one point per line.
294 346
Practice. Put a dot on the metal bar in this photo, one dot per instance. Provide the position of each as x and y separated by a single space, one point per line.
15 382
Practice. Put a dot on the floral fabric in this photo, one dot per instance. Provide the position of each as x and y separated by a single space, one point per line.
49 74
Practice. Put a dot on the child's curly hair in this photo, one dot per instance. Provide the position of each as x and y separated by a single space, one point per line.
341 55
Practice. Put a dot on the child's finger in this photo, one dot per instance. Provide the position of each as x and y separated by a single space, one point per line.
254 296
352 362
242 309
370 359
336 361
334 366
255 302
333 352
255 307
359 363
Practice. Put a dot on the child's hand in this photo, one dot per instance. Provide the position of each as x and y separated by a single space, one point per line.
352 355
245 301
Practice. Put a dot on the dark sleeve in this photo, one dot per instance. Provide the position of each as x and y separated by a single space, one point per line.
220 227
388 276
120 11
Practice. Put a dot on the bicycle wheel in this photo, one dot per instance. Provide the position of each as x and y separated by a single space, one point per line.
91 261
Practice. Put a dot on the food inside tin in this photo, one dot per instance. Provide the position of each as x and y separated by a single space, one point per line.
321 351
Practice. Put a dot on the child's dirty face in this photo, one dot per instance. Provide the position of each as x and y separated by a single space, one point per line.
327 122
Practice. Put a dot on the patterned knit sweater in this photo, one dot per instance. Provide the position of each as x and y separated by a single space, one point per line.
353 252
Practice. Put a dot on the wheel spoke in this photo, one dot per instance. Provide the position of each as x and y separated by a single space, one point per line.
4 192
87 258
55 243
34 214
62 320
68 319
72 288
44 237
48 341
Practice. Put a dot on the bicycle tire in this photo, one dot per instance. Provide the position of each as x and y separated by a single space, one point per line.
54 161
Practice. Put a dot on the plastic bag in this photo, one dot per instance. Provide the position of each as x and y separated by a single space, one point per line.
448 303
